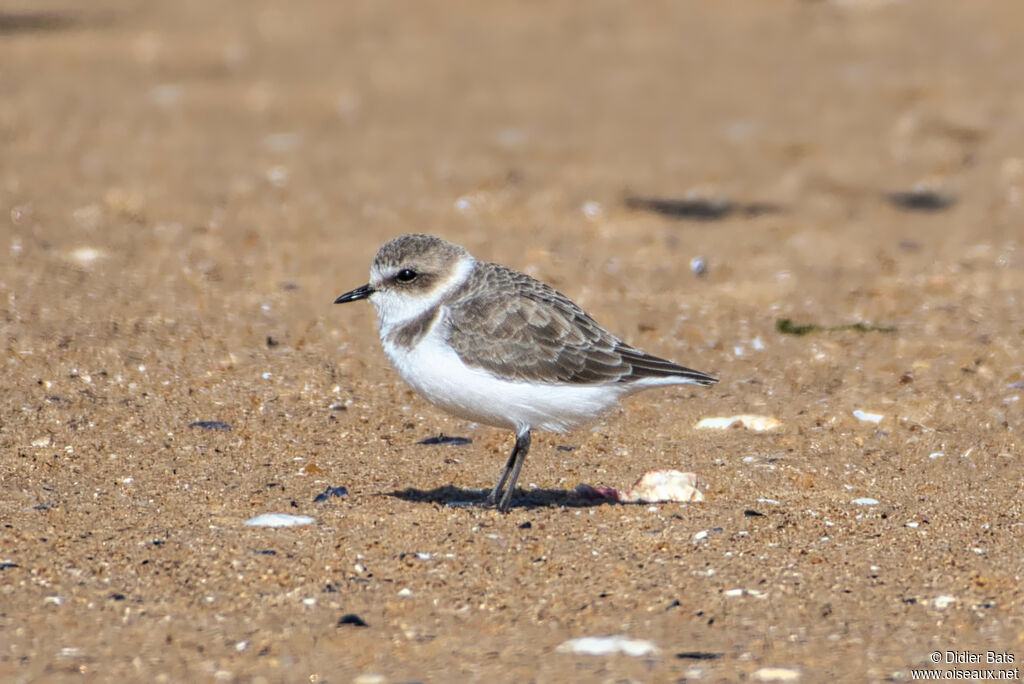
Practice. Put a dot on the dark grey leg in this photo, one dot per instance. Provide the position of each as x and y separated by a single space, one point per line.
492 498
512 468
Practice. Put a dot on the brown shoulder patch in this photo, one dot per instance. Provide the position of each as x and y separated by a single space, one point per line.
409 335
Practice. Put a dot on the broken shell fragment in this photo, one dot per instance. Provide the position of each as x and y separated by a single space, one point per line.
279 520
654 486
608 645
746 420
868 417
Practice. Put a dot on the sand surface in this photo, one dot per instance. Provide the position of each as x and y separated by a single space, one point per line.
187 186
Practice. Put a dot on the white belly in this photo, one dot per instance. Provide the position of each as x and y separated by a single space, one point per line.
434 370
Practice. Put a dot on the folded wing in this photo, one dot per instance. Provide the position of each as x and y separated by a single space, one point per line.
518 328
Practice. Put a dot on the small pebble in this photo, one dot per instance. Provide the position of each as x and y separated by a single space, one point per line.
210 425
592 210
922 198
352 619
699 266
865 501
85 256
330 492
446 439
944 601
698 655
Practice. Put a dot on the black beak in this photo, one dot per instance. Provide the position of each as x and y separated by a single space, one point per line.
355 295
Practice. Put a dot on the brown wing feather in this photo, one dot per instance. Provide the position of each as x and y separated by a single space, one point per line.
528 331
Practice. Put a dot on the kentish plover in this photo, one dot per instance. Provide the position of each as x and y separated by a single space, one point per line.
494 345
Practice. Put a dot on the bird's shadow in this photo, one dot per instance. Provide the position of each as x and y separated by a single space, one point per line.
458 497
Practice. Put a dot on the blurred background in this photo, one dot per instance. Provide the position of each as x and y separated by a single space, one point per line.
185 188
235 166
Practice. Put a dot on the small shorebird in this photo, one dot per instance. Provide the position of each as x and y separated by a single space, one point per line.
493 345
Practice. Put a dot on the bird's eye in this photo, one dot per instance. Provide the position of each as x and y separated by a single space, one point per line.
405 275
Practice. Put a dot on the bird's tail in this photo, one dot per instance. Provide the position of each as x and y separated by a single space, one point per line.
647 366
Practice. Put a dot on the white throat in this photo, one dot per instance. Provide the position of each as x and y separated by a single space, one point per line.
394 309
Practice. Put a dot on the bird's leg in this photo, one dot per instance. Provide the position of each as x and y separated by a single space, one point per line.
492 498
511 472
